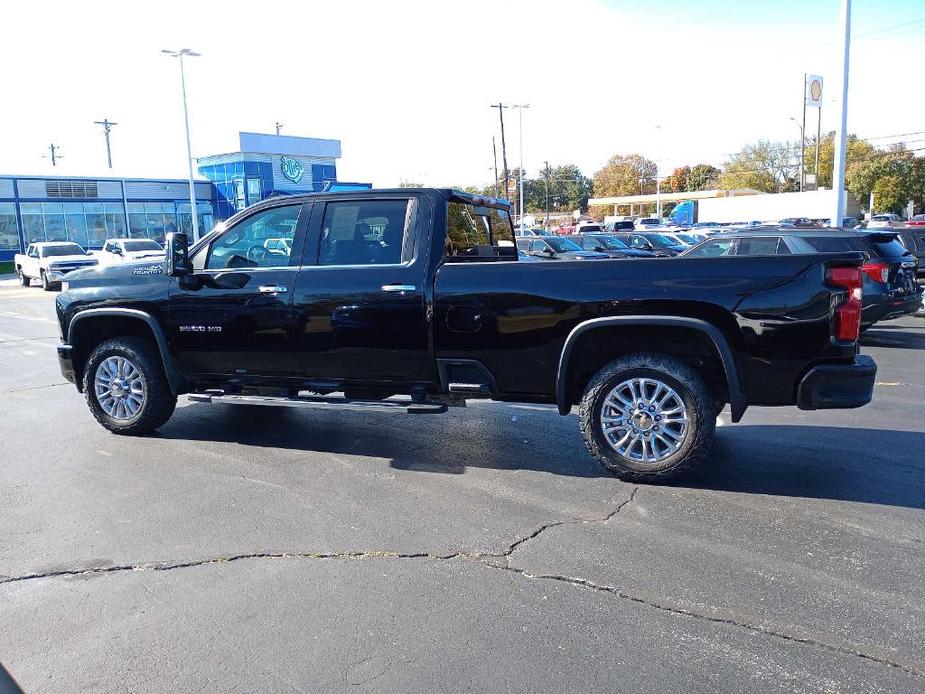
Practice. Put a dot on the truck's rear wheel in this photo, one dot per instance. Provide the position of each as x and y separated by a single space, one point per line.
647 418
126 388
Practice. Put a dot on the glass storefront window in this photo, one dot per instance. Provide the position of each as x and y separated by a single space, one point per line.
96 224
9 230
76 223
115 220
136 220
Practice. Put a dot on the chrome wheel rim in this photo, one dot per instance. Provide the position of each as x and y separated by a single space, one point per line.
120 389
644 420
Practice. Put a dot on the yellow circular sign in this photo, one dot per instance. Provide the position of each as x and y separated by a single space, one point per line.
815 90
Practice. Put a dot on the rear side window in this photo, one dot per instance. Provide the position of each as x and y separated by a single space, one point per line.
364 232
711 249
765 245
478 233
835 244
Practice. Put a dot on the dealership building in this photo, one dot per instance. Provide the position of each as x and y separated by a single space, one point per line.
89 210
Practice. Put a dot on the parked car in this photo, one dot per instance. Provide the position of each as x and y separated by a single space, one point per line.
916 221
661 245
121 250
890 289
50 262
530 231
647 223
885 221
556 248
588 228
619 225
913 238
613 247
427 317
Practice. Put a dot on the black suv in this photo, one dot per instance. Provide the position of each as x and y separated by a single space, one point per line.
890 289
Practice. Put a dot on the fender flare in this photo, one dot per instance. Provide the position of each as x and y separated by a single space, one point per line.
174 377
737 399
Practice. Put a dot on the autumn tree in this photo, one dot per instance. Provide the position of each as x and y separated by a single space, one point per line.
856 150
771 167
625 174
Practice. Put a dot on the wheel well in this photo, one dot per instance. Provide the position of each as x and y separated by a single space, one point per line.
86 334
595 348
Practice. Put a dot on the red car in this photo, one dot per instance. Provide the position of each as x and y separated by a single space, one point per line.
917 221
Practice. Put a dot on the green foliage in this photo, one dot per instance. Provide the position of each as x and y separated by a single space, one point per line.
771 167
890 194
857 151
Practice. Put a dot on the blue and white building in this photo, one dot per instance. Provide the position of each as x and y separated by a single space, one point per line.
89 210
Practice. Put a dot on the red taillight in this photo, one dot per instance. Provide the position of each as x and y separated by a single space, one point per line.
847 322
878 272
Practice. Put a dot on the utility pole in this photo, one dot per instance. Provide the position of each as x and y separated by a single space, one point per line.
53 149
279 126
546 177
494 151
189 152
107 127
520 196
501 108
838 172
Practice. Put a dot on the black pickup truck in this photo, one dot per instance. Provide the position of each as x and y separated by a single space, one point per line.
414 300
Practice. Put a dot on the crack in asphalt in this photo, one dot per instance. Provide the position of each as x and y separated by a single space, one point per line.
23 390
792 634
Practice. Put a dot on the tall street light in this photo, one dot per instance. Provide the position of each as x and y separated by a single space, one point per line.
838 170
802 150
658 179
189 152
520 126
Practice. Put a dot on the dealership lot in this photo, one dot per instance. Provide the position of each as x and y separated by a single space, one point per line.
268 549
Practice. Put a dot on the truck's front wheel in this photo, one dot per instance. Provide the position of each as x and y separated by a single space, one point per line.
126 388
647 418
24 278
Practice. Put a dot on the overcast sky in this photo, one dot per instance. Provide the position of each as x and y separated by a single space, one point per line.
406 86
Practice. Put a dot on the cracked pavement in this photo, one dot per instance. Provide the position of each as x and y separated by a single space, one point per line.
482 549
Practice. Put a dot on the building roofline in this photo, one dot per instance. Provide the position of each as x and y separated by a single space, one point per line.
127 179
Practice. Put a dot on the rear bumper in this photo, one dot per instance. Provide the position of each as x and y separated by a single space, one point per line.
838 386
888 309
66 362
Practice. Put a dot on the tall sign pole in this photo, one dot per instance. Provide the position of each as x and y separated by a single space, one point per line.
838 173
107 127
494 152
803 140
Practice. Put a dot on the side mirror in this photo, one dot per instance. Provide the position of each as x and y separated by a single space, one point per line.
117 250
549 251
178 264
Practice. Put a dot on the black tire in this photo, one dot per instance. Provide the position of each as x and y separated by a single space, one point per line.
159 402
46 285
689 387
24 279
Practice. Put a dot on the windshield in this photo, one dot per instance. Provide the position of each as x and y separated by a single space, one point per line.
588 228
562 245
611 243
650 222
63 249
663 241
142 245
881 218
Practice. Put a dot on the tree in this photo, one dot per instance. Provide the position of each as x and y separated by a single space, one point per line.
625 174
771 167
856 150
569 190
703 177
905 174
890 194
678 180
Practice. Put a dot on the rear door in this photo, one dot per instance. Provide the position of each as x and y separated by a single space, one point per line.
360 313
235 312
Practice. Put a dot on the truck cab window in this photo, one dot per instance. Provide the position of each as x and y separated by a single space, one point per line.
364 232
261 240
478 233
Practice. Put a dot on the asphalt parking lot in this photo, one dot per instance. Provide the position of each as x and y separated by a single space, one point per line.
276 550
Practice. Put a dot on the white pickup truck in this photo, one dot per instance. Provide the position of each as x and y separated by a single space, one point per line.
50 261
120 250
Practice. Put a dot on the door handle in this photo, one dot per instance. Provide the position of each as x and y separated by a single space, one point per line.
394 288
273 289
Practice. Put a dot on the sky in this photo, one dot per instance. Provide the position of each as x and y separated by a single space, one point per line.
407 85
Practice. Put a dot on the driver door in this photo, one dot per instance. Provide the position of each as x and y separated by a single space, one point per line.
235 312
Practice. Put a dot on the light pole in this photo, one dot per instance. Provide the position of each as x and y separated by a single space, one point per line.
189 151
501 108
520 126
802 150
658 179
546 176
838 171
